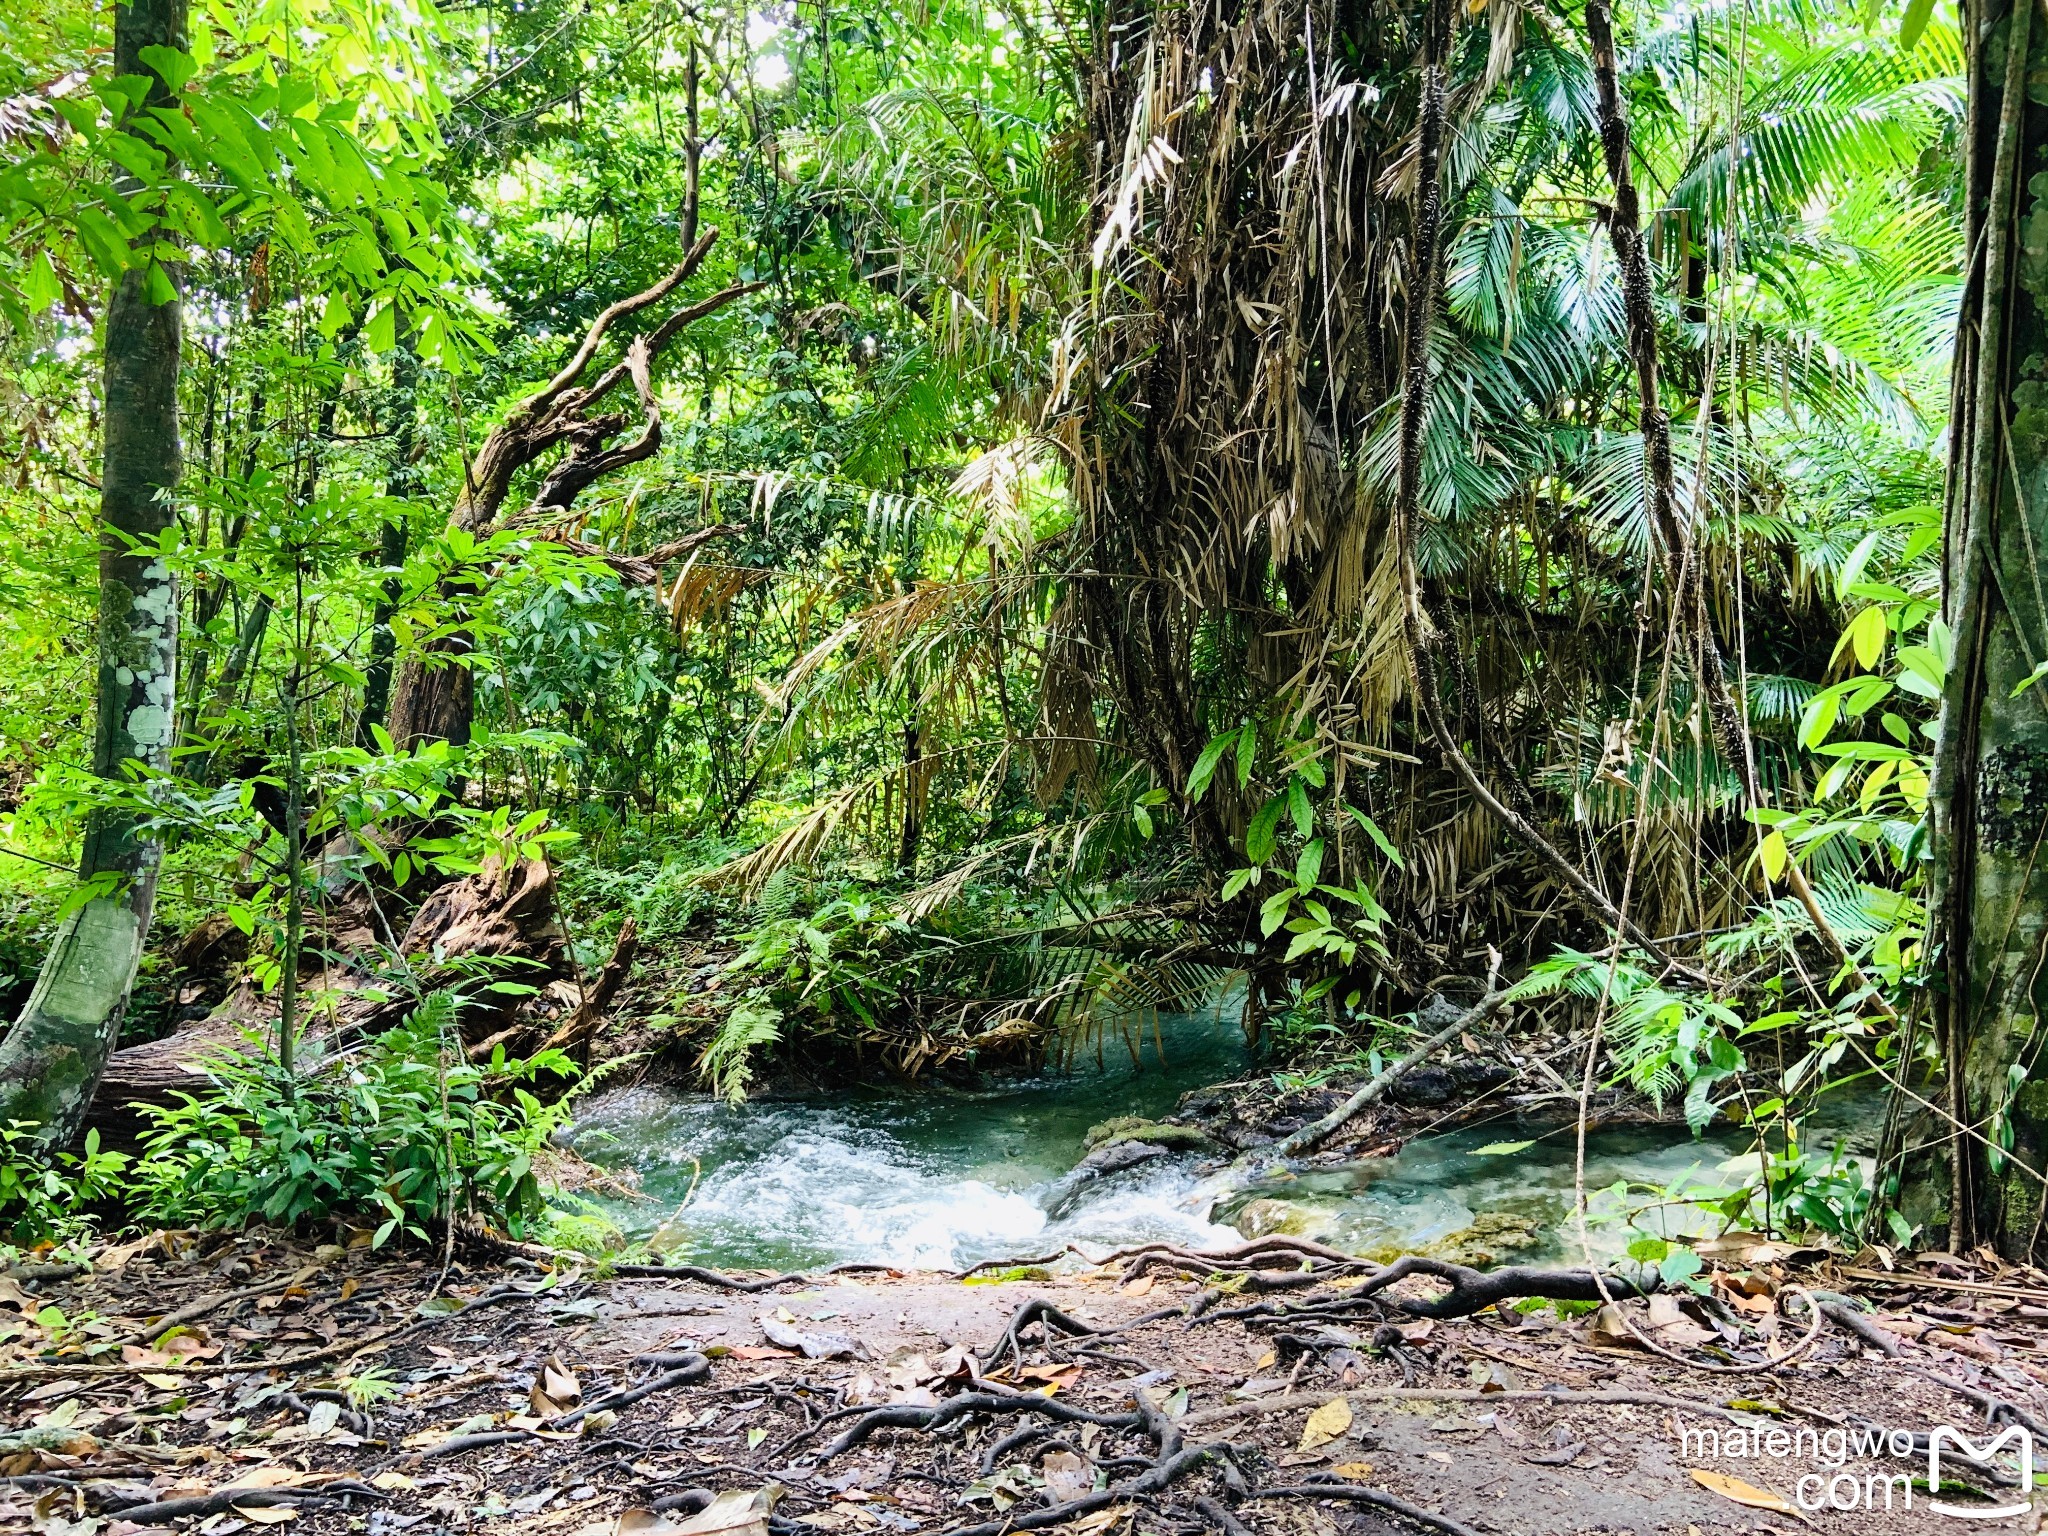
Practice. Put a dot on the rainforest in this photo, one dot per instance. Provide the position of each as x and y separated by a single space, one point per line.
1063 719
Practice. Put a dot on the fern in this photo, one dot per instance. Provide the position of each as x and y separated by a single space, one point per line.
726 1064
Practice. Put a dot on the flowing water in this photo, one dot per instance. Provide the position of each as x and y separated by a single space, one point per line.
935 1178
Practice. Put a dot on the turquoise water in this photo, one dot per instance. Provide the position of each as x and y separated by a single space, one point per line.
923 1177
931 1177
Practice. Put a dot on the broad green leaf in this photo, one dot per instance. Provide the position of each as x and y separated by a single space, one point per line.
380 331
1273 910
1866 635
1772 854
39 283
175 66
1205 765
1500 1149
1852 568
1260 836
1915 23
1819 719
1372 830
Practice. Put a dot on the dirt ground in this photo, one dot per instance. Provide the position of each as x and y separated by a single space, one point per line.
214 1384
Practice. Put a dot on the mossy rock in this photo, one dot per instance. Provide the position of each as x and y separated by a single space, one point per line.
1159 1133
1266 1217
1493 1238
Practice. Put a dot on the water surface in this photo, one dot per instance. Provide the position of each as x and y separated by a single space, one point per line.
937 1178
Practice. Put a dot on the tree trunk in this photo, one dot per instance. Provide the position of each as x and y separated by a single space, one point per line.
435 697
51 1060
402 480
1989 797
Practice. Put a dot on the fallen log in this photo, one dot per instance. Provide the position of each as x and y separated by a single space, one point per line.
1317 1132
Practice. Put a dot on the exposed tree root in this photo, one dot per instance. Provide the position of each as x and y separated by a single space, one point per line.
1294 1401
199 1506
1847 1318
1173 1459
457 1444
1153 1480
688 1369
1373 1496
1996 1410
1221 1518
1265 1252
933 1417
1047 1316
1474 1290
988 1264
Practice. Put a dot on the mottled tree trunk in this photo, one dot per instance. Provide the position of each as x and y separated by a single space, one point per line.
1989 901
51 1060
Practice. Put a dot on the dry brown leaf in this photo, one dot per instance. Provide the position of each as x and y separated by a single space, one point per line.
1101 1520
1142 1286
736 1512
1355 1471
1068 1476
275 1477
267 1514
559 1382
1747 1494
1327 1423
1672 1327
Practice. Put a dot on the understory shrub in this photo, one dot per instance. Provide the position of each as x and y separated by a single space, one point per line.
399 1129
48 1199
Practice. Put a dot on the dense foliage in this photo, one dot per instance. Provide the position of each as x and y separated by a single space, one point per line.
1042 661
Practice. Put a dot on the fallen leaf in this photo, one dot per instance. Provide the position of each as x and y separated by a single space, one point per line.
1747 1494
267 1514
1101 1520
1354 1470
1608 1327
1061 1376
559 1382
392 1481
1327 1423
1067 1476
761 1352
273 1476
1142 1286
738 1511
813 1346
1669 1322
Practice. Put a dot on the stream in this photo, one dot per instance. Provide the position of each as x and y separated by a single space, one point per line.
931 1177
